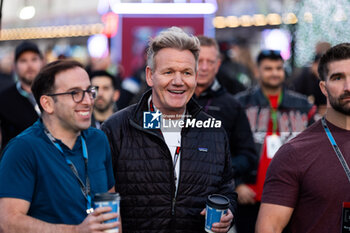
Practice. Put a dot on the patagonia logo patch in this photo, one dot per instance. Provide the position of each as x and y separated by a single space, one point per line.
202 149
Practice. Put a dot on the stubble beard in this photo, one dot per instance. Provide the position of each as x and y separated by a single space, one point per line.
337 105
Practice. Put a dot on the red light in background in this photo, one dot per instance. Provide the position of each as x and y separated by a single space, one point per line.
111 24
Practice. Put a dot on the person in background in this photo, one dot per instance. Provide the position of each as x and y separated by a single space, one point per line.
217 102
51 171
234 73
107 95
6 69
312 169
307 83
276 115
18 109
165 175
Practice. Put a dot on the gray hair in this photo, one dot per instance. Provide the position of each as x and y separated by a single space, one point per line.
173 37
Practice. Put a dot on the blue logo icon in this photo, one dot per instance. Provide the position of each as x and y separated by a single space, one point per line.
151 120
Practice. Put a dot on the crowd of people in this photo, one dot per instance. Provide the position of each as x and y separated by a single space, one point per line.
68 133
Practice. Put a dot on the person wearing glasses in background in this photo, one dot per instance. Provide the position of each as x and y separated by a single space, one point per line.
276 115
51 171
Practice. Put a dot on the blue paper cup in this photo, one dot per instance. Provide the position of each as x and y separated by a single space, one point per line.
108 199
217 205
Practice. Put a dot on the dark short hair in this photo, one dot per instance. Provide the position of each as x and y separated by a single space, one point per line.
26 46
336 53
98 73
45 81
269 54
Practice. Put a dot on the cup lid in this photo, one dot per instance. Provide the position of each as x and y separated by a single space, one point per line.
106 196
218 201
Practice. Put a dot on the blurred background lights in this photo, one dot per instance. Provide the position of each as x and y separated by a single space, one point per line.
178 7
27 12
103 6
98 46
277 39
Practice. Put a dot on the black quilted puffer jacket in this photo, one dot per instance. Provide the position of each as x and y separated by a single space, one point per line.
143 170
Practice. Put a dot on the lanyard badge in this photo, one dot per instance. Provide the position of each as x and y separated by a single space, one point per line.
345 223
345 220
85 188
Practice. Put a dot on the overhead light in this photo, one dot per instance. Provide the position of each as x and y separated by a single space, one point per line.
274 19
27 12
219 22
308 17
259 20
163 8
232 21
290 18
245 20
98 46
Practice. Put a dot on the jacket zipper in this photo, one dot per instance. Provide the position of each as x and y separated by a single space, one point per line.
173 197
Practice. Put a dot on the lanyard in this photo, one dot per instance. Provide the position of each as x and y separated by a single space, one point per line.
274 113
176 157
177 151
336 148
30 97
206 107
85 189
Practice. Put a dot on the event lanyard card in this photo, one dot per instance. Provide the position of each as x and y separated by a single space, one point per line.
345 223
273 143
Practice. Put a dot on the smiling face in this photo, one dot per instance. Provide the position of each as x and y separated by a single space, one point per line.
67 114
271 73
173 80
337 86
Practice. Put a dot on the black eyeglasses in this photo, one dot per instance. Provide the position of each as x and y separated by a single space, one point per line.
78 95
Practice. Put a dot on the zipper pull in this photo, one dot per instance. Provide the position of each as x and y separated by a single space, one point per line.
173 207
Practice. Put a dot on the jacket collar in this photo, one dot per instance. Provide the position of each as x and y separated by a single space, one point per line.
215 89
262 100
192 108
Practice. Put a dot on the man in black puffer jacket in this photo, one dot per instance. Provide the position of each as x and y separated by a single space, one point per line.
165 175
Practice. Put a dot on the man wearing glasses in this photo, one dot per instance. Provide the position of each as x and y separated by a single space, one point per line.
276 115
50 172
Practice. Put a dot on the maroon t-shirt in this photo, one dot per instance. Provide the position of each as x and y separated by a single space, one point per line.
306 174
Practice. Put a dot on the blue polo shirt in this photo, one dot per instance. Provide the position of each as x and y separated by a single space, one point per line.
33 169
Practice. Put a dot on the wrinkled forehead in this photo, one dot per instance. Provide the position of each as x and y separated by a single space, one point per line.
169 57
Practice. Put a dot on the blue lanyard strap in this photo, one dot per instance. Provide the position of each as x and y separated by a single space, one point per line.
336 148
85 189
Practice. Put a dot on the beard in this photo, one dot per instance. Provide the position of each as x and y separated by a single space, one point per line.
104 106
26 81
338 104
270 85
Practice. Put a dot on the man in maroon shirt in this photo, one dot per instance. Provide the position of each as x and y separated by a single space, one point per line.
306 183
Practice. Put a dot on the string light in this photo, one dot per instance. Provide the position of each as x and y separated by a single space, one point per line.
255 20
50 32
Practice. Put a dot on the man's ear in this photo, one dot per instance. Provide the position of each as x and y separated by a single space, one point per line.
217 66
323 88
47 103
116 95
149 78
